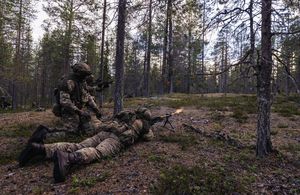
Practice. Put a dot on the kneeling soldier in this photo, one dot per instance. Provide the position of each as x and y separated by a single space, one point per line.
125 130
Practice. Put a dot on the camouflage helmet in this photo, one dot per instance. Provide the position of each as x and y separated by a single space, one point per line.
81 69
143 113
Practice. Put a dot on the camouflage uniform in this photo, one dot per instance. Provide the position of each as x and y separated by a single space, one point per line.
111 138
124 131
72 97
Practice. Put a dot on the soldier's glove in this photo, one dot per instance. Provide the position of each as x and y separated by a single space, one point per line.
98 115
85 116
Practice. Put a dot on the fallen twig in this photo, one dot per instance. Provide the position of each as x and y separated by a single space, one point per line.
216 136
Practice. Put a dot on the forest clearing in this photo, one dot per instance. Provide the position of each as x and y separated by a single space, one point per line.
183 158
170 97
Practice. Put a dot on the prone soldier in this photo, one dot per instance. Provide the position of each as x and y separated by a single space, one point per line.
126 129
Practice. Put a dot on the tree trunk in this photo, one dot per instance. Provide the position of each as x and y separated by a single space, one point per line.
264 145
170 51
119 60
18 56
189 63
142 90
101 99
68 40
203 47
147 78
225 67
252 35
252 42
287 78
222 75
165 51
298 70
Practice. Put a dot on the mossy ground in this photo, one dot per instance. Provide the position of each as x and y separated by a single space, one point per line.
180 162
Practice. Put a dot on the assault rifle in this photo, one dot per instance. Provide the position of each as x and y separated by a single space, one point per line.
165 118
98 84
101 85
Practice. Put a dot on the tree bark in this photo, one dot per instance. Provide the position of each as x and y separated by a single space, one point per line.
165 51
68 40
203 47
101 99
119 60
252 40
264 145
287 79
17 60
189 62
252 35
170 50
225 66
148 67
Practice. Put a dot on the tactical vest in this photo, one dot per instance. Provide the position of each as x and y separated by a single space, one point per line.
75 95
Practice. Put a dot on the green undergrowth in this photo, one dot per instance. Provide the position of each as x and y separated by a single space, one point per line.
88 182
217 116
184 141
240 105
224 103
38 190
180 179
240 115
156 158
18 130
282 126
2 111
292 148
287 106
10 155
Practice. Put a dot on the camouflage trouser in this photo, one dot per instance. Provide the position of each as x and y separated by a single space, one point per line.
70 126
94 148
107 142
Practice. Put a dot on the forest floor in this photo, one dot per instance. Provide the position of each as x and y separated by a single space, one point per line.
211 151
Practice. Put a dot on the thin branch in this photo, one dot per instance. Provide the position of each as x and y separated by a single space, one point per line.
286 33
242 60
287 72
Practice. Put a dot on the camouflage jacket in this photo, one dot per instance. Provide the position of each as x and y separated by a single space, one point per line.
74 95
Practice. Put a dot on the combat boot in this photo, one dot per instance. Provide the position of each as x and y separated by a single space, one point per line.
62 164
39 135
30 151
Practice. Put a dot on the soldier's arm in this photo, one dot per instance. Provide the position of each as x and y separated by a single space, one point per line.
149 136
91 90
66 102
92 104
65 98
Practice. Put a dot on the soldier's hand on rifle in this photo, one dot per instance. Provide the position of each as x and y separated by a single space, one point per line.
98 115
156 120
85 116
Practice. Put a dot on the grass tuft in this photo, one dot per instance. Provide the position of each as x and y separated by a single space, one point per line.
287 107
18 130
156 158
88 182
185 141
195 180
240 115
